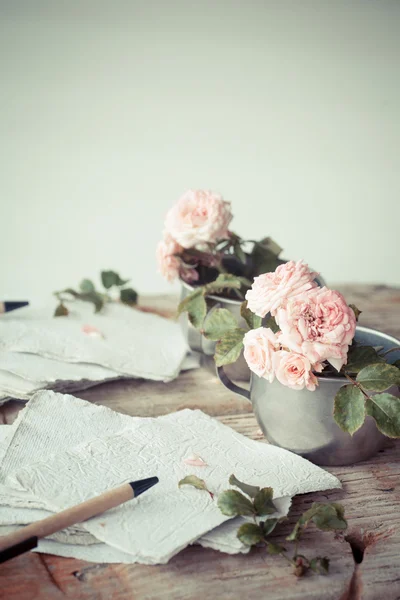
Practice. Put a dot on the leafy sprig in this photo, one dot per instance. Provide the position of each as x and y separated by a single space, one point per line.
88 293
363 396
253 501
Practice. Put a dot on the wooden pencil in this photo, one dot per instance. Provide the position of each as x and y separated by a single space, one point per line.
26 538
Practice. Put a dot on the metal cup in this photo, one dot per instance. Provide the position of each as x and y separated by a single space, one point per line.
302 421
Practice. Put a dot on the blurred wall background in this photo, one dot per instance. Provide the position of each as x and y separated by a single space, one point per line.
110 110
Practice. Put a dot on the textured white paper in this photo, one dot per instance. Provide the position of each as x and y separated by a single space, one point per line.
53 422
177 517
135 343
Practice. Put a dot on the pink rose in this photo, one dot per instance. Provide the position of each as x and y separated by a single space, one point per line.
259 347
270 290
168 263
198 218
318 324
294 370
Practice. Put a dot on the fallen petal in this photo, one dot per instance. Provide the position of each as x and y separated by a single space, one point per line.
194 461
92 331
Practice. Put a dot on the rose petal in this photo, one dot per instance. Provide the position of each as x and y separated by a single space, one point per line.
195 461
92 331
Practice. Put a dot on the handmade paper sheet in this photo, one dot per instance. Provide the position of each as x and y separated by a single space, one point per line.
133 343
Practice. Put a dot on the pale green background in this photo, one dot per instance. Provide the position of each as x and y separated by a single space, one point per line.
110 110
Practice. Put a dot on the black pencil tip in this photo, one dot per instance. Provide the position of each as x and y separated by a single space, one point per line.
142 485
14 305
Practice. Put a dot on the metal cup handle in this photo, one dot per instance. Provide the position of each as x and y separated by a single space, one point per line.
236 389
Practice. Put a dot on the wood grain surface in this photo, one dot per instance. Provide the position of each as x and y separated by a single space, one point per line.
371 496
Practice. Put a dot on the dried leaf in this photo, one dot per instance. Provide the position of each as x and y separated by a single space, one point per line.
61 311
194 481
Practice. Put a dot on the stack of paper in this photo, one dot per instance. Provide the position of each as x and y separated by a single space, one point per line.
62 450
72 353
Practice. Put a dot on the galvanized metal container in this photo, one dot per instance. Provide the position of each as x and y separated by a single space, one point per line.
302 421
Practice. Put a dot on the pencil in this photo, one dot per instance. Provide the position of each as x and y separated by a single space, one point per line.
7 306
25 539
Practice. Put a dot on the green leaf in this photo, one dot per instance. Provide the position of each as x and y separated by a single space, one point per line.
250 490
224 281
349 408
239 252
357 312
219 322
271 324
86 286
228 349
329 517
379 377
269 525
263 502
275 548
111 278
194 481
360 357
397 363
250 534
93 297
271 245
196 307
61 311
197 311
385 409
232 503
185 303
70 291
320 565
326 516
128 296
264 258
252 320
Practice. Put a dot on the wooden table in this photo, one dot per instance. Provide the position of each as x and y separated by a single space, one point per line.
371 496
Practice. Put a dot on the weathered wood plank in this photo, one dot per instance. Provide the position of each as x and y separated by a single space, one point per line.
371 496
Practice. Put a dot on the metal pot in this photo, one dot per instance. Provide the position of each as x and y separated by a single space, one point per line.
302 421
197 343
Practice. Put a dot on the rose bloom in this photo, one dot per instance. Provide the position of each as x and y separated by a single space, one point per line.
259 346
318 324
198 218
294 370
271 290
168 264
